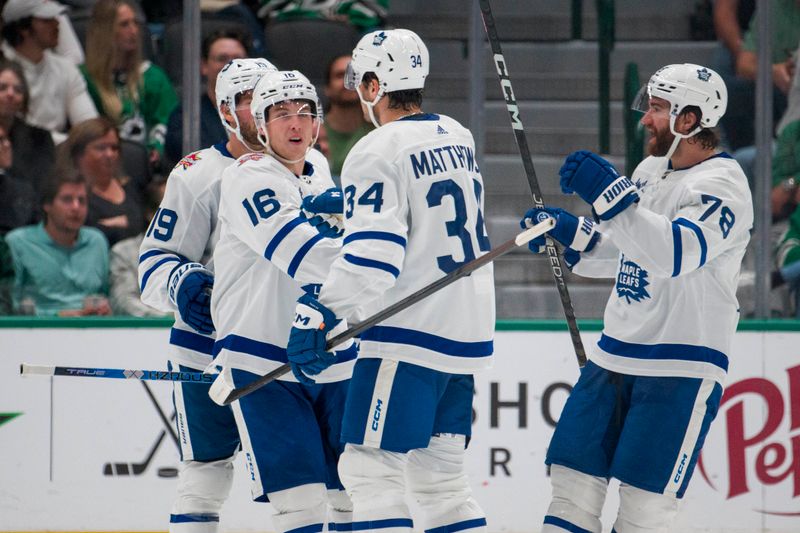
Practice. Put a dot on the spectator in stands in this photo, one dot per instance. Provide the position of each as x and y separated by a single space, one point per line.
785 16
219 47
18 205
134 93
364 15
344 120
17 208
731 20
115 204
58 94
33 153
124 290
61 266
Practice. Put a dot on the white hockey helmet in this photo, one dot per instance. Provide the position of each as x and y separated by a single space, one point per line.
235 78
687 85
281 86
398 58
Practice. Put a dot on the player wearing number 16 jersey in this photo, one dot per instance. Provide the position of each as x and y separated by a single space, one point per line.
176 274
413 213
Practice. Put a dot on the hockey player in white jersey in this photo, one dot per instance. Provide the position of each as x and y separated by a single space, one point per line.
268 255
176 274
673 235
412 207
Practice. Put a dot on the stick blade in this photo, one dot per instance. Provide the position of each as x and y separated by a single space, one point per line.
26 369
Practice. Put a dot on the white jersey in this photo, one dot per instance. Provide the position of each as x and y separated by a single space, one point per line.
267 255
413 213
184 229
676 256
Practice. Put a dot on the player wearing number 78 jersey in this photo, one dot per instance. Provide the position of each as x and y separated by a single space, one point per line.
673 236
413 213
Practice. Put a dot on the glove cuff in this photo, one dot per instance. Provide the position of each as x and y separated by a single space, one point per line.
179 274
615 198
585 236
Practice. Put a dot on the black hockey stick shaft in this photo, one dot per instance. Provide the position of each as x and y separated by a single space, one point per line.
167 424
530 172
134 469
464 270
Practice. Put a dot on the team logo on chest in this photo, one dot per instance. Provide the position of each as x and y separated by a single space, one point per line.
631 281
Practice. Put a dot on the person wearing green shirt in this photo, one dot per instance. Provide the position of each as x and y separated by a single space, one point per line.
344 120
136 94
365 15
60 265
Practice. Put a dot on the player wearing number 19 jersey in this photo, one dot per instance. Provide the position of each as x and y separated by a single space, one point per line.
413 213
176 274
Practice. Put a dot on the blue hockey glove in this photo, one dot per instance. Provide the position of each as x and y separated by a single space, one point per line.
597 181
190 290
576 233
330 201
306 348
328 225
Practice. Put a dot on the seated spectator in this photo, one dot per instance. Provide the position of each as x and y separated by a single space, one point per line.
6 279
364 15
18 205
218 49
785 16
124 293
344 120
134 93
61 266
58 94
33 152
115 204
731 20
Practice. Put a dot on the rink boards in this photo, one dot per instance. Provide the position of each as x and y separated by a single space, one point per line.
75 450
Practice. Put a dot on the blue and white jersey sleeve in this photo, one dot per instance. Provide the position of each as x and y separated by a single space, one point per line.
261 206
712 213
181 228
601 262
376 218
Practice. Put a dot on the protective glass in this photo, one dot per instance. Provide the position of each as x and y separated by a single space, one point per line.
351 77
641 102
291 108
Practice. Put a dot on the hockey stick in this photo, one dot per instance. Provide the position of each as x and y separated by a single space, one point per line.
136 469
533 182
26 369
224 395
167 425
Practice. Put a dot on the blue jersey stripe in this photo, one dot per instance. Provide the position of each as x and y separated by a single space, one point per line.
265 350
280 235
563 524
372 263
677 249
428 341
237 343
155 251
681 352
376 235
459 526
313 528
191 341
386 523
146 276
700 237
301 253
188 518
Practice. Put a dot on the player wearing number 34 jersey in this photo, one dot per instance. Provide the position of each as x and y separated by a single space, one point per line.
413 213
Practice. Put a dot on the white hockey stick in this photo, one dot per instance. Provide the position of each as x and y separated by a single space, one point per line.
223 393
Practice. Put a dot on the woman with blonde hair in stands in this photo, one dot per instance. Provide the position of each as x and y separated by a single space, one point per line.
131 91
115 203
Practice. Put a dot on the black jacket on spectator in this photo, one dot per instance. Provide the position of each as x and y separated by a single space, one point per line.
100 209
34 153
211 130
18 203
